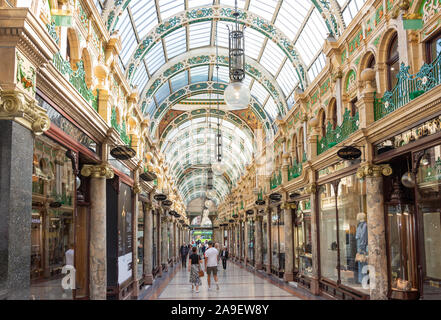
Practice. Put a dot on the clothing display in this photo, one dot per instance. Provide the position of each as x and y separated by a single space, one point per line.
362 246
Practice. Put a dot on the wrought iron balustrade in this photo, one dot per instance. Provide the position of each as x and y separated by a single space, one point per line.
408 88
276 180
339 134
295 170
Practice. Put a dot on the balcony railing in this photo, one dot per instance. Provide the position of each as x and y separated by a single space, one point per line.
276 180
408 88
76 78
122 130
339 134
295 170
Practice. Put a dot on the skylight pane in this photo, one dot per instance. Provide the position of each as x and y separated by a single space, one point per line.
199 74
199 3
175 43
312 37
272 57
169 8
271 109
259 92
291 16
155 58
163 93
223 74
253 43
287 78
200 34
178 81
144 16
141 77
317 67
128 39
240 3
264 8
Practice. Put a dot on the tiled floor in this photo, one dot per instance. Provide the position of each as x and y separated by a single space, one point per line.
235 283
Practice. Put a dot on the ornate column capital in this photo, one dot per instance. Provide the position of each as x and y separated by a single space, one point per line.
98 171
288 205
311 188
137 189
371 170
15 105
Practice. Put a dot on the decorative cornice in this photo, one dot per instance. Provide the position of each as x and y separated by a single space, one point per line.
370 170
98 171
288 205
23 109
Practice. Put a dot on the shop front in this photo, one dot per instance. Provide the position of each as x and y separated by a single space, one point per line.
120 225
343 234
277 242
60 208
265 240
303 242
413 210
251 241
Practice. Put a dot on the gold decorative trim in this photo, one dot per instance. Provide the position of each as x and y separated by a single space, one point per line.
311 189
287 205
98 171
137 189
19 107
371 170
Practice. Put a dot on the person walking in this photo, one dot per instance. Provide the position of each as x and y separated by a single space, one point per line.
184 252
224 257
194 267
211 264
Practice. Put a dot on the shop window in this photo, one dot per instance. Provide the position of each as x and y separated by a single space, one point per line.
303 238
429 209
333 115
354 108
393 64
300 146
265 239
251 241
343 232
433 48
155 240
322 123
402 254
371 62
278 241
140 241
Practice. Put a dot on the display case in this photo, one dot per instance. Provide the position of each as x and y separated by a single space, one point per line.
302 238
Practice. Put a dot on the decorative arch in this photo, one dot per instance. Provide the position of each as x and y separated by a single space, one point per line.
205 87
88 66
74 45
211 13
332 112
207 56
322 122
382 56
350 81
300 146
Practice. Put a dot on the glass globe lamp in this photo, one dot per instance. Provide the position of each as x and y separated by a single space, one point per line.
208 203
237 96
218 168
211 193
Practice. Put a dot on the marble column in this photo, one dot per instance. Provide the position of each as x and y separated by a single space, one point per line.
148 244
97 246
377 259
259 243
16 150
136 208
164 242
315 287
171 244
246 241
289 245
159 240
269 246
241 241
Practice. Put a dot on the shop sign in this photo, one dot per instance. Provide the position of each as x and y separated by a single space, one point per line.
123 152
36 220
425 129
66 126
275 196
349 153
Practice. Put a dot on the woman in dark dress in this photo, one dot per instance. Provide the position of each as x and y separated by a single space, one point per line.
194 267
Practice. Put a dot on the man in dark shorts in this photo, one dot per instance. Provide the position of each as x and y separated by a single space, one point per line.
211 264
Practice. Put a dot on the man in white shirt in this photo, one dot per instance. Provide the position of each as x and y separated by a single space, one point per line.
211 264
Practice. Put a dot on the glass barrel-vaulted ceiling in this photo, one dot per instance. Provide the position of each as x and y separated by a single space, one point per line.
284 39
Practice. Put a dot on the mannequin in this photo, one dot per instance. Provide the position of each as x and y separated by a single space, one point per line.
362 244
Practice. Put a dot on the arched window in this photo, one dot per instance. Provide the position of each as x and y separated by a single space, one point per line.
371 62
322 123
333 113
294 148
300 146
393 64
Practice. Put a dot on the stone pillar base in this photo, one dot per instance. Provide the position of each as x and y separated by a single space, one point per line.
148 279
315 287
288 277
